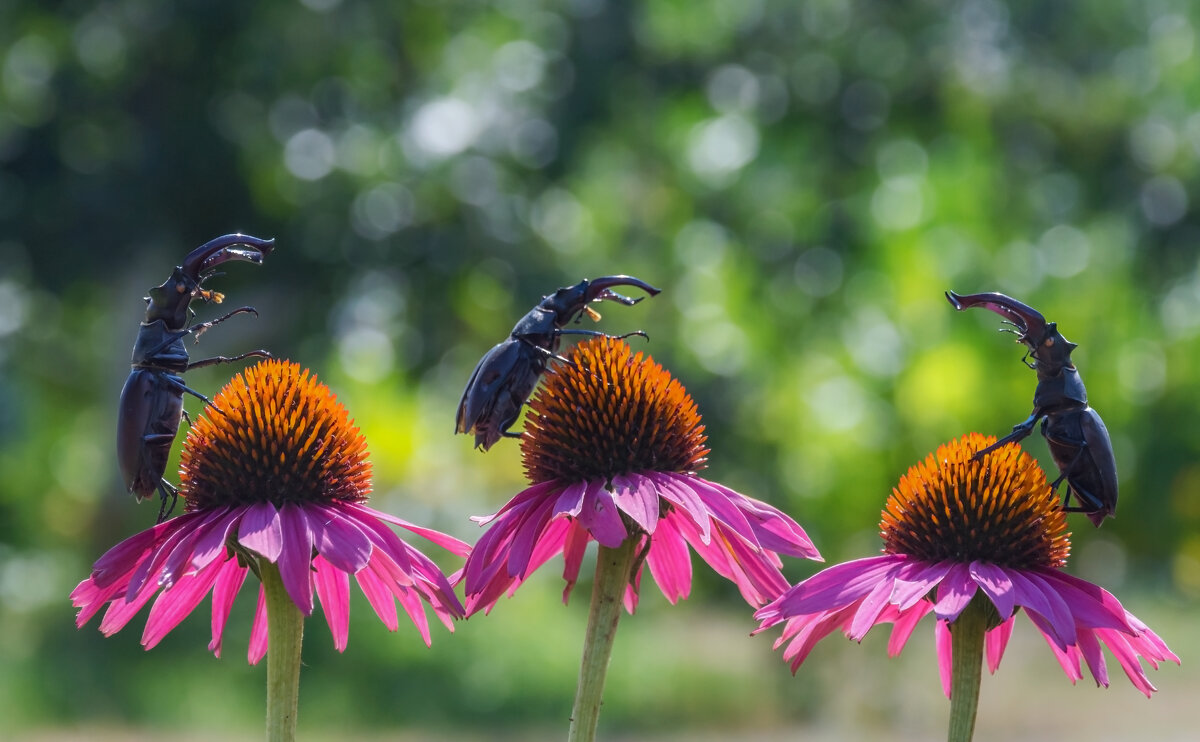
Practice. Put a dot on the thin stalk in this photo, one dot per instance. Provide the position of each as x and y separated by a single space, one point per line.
612 575
285 633
966 637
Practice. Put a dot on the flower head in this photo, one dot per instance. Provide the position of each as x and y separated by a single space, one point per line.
275 472
956 529
612 449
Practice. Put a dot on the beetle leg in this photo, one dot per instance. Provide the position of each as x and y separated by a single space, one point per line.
185 388
203 327
1019 432
165 490
227 359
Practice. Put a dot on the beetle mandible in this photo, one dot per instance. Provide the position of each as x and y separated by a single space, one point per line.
1078 440
152 399
508 373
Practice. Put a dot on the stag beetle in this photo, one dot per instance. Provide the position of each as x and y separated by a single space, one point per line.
507 374
1076 435
152 399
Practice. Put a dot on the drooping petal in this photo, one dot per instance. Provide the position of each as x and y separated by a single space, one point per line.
230 578
338 539
955 592
676 489
997 585
905 623
830 589
379 596
258 631
260 531
869 610
212 543
669 563
295 559
914 579
945 654
333 590
636 496
601 516
995 641
176 603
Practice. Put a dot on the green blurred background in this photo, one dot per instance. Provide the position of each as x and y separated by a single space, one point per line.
803 179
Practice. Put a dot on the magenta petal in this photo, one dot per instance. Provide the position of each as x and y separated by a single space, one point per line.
904 624
669 563
212 542
995 642
636 496
449 543
954 593
676 489
260 531
338 540
333 590
527 534
295 559
869 609
1046 602
1091 605
996 584
258 631
176 603
411 603
228 583
378 596
574 545
601 517
945 654
129 554
1089 647
833 588
570 500
914 579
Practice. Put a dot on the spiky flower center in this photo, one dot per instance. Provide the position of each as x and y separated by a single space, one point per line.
999 509
276 435
610 412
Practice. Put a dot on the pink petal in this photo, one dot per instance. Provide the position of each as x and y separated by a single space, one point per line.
1091 605
574 545
1045 600
914 579
449 543
123 558
176 603
333 590
258 631
954 593
214 534
260 531
774 529
869 609
996 584
832 588
411 603
229 582
1089 647
379 596
945 654
669 563
529 494
338 540
295 560
570 500
995 642
601 517
904 625
636 496
676 489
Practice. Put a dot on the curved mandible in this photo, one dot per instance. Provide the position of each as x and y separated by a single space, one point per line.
223 249
1028 320
599 289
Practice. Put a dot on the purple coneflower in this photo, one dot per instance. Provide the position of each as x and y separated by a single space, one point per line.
275 483
972 542
612 449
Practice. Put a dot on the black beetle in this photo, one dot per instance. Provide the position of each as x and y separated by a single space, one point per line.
1076 435
152 399
507 374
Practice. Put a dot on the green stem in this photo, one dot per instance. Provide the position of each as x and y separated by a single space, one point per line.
612 575
966 636
285 633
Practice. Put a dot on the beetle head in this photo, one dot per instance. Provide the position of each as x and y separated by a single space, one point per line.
169 302
570 301
1050 350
